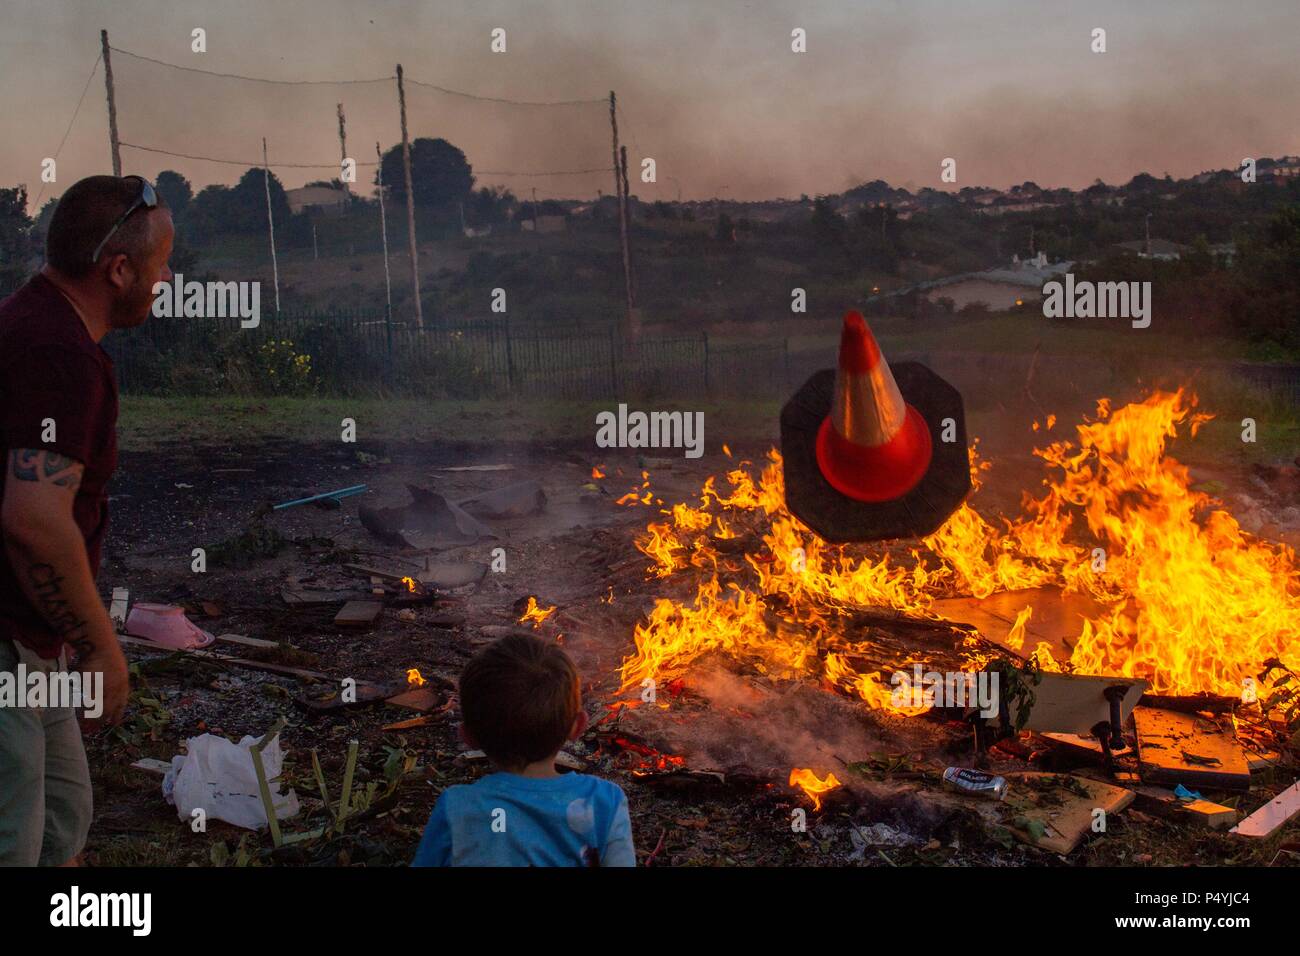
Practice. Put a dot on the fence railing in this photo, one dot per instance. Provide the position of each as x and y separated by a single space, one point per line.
349 353
356 353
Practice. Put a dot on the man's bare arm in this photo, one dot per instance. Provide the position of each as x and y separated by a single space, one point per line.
48 554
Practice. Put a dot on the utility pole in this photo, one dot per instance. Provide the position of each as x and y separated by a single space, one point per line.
410 202
112 104
388 279
622 213
270 222
627 218
343 149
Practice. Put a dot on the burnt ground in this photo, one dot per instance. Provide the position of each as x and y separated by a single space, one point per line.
578 556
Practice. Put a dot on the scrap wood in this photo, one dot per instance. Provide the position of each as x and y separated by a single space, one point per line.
247 641
1056 617
263 786
1055 811
417 698
1175 748
1191 703
1165 803
475 468
411 723
117 610
226 659
297 593
364 693
1271 816
358 614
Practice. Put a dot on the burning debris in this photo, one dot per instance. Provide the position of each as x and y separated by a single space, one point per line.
812 785
1187 599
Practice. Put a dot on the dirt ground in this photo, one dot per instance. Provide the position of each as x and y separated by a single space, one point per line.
578 556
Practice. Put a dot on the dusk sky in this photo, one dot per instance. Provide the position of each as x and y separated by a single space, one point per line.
712 91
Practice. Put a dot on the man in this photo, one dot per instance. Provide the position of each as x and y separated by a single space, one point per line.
108 244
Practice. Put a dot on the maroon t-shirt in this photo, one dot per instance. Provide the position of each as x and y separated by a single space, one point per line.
50 368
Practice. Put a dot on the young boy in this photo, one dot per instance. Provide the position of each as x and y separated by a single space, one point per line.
520 700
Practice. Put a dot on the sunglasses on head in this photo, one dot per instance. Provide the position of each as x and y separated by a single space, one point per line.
148 199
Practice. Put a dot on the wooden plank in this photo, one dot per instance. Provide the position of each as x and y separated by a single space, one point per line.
226 659
1271 816
296 595
412 723
417 698
1065 815
247 641
1165 803
373 573
1176 748
120 604
1088 748
358 614
1057 618
476 468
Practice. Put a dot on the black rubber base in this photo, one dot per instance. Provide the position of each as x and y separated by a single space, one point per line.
840 519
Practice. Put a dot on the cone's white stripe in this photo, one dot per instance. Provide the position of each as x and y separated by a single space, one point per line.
868 409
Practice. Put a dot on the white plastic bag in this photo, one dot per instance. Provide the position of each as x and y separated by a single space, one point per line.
218 777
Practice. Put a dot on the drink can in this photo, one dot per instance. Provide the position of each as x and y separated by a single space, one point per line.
976 782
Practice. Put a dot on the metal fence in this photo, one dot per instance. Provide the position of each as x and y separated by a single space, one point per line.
350 353
356 353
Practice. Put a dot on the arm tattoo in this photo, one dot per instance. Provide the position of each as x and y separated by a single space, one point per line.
48 585
28 464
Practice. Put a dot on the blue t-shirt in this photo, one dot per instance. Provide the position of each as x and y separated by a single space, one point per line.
506 819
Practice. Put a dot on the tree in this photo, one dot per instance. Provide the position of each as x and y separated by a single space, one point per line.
828 226
238 209
491 204
15 237
1268 307
440 175
726 229
175 190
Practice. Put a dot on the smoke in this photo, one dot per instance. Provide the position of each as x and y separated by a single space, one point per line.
715 95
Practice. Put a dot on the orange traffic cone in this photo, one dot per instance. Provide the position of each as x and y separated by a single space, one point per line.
873 446
862 448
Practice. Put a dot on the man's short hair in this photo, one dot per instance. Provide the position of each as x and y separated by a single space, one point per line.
83 217
519 698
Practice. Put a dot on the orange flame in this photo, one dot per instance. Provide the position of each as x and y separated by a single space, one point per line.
1188 600
535 612
812 785
410 584
596 472
414 679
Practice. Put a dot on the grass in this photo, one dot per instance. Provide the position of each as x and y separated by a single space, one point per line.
147 422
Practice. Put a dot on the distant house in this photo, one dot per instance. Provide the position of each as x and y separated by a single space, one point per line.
999 289
1225 252
1288 167
323 198
1160 249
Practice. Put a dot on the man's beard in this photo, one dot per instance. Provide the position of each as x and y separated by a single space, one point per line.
133 308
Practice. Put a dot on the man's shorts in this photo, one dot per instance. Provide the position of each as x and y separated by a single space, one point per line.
45 793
